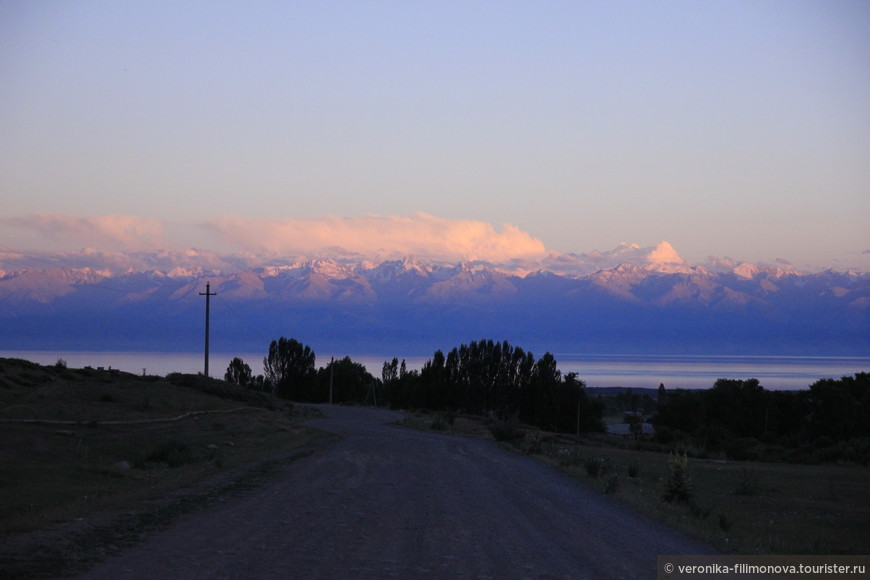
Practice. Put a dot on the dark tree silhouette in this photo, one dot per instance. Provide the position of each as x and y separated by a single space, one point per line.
496 378
288 364
742 420
239 373
352 383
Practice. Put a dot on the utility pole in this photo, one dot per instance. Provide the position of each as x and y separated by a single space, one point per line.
578 413
331 371
208 294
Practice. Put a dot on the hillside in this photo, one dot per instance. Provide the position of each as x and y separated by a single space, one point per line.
90 451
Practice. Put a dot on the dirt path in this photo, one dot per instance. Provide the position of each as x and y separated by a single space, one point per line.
390 502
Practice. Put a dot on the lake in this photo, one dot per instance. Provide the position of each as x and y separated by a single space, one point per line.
597 370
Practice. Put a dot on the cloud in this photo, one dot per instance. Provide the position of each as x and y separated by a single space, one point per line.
662 257
117 243
234 241
664 253
109 231
383 237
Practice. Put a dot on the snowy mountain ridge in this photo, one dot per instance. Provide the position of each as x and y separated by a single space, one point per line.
636 299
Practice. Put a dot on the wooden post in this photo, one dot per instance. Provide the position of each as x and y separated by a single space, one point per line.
331 371
578 410
208 294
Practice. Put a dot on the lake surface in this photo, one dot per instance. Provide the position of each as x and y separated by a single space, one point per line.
601 370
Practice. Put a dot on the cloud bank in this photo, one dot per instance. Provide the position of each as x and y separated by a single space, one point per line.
381 237
119 232
117 243
109 238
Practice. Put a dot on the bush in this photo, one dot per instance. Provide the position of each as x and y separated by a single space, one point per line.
749 483
438 423
173 453
678 487
612 483
535 444
594 466
568 457
698 512
506 430
742 448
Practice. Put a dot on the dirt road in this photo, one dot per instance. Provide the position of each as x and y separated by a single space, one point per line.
390 502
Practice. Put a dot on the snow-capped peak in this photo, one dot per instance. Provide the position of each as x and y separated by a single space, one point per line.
330 268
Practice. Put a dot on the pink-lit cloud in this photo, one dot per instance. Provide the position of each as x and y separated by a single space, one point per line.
108 231
383 237
664 253
116 243
661 257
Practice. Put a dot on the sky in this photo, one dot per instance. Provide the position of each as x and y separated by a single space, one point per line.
728 128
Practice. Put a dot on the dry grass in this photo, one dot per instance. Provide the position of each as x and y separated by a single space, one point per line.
746 508
55 473
738 507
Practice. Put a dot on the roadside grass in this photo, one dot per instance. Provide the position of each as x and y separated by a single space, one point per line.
737 507
57 472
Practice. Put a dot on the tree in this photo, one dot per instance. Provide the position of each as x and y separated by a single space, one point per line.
239 373
288 364
737 405
390 371
497 379
589 410
840 408
352 383
402 388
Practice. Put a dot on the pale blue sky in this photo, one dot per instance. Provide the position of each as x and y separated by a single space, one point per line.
728 128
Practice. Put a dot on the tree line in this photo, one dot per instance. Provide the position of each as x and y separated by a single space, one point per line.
289 371
735 418
482 377
740 419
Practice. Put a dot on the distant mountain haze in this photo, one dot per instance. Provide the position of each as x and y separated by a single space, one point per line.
627 300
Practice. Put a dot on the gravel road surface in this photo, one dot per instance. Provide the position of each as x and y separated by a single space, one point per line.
390 502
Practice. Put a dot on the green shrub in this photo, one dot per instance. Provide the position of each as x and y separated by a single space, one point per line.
533 444
612 483
749 484
506 430
742 448
698 512
173 453
438 423
568 457
594 466
678 487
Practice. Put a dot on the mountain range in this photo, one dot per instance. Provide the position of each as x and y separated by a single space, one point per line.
629 300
